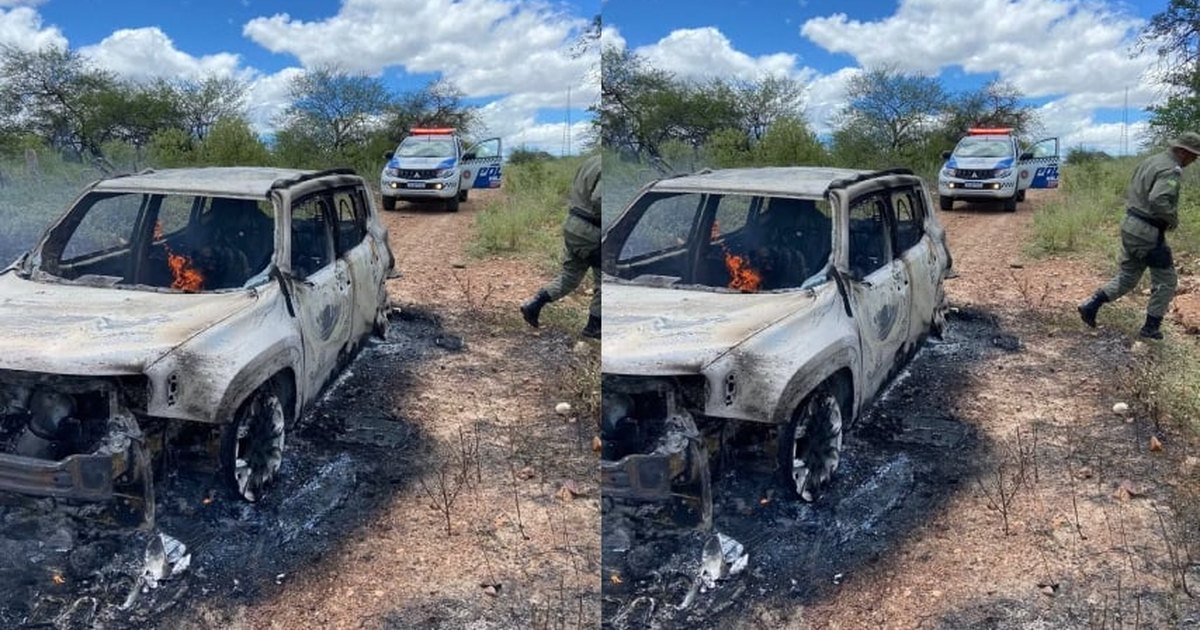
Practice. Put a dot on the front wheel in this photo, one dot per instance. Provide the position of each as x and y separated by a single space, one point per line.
946 203
1021 195
389 203
252 445
452 204
462 194
1010 204
810 444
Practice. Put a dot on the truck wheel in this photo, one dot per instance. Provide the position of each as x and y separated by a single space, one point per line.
810 444
452 204
389 203
1010 204
1021 195
946 203
462 194
252 445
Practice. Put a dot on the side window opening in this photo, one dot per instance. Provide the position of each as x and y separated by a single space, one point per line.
909 212
312 242
868 236
351 219
656 236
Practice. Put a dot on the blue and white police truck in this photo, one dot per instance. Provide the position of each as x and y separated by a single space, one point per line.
987 164
432 165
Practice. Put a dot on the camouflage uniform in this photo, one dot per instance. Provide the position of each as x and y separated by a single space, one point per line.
581 248
1151 211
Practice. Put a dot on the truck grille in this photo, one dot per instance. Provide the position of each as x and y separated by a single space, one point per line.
974 174
417 174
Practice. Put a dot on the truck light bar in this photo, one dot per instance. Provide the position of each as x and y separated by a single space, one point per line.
991 131
428 132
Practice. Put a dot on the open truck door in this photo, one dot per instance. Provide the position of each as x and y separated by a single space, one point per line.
482 164
1038 165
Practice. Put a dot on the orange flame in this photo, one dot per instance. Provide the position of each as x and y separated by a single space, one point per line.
186 277
742 276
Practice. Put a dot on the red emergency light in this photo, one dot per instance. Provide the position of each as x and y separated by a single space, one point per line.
989 131
429 132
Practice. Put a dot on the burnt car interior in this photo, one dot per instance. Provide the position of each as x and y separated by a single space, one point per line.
882 225
167 241
743 242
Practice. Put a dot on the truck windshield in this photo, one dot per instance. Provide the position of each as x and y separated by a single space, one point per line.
984 148
426 146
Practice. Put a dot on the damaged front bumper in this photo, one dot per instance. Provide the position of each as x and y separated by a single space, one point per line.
85 476
671 467
70 437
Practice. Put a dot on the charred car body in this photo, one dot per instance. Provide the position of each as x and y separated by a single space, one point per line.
219 297
780 298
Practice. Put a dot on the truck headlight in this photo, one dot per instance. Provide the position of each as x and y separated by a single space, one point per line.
1002 173
443 174
391 172
947 172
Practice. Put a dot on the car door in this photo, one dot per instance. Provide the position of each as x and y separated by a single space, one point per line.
321 288
919 256
361 254
482 165
1038 166
877 287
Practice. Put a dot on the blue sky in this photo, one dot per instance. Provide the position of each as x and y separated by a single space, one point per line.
513 58
1071 57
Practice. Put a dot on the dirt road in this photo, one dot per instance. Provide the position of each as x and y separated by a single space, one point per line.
993 486
433 486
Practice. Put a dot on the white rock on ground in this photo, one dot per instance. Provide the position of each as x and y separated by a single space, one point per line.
562 408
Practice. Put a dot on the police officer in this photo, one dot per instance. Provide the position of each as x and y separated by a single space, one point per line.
581 250
1151 211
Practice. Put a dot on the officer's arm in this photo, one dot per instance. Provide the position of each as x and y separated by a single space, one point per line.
1164 196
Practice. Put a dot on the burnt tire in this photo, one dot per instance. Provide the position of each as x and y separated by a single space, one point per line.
389 203
252 444
810 444
946 203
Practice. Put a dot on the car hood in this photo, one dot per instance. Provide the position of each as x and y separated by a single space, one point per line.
974 163
71 329
655 331
422 163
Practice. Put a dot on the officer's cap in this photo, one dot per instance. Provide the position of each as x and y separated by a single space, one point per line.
1188 141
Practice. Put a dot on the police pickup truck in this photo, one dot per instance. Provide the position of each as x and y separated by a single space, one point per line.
987 165
432 165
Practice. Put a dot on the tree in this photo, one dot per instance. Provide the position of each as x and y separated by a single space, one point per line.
438 104
770 99
334 108
1175 36
170 148
202 103
231 142
893 110
997 104
56 94
789 142
627 83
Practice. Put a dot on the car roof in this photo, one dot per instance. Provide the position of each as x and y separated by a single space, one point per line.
233 181
801 181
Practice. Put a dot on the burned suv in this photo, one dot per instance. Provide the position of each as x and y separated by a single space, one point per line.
219 300
779 298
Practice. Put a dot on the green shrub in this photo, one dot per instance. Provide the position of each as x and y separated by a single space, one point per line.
527 218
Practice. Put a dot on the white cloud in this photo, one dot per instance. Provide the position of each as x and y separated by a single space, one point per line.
486 47
824 98
22 28
701 53
267 98
514 120
5 4
611 37
1044 47
147 53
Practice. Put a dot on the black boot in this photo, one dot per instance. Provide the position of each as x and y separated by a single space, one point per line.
592 330
533 308
1150 328
1088 310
